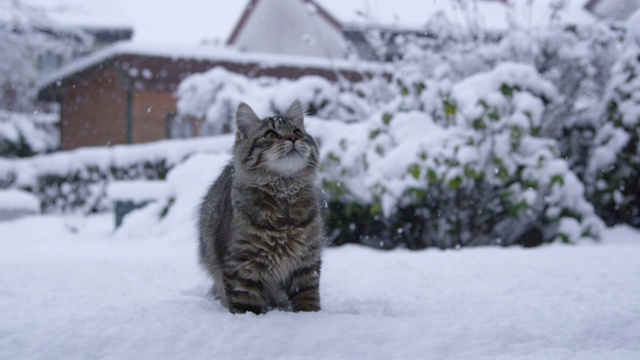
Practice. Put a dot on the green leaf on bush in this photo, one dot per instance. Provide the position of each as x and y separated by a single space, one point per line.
557 179
564 238
432 176
455 183
494 116
449 108
403 89
506 90
386 118
375 209
333 187
471 173
374 134
333 158
515 209
506 195
417 195
414 170
420 87
530 184
479 124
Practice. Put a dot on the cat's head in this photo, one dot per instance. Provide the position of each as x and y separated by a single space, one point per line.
276 146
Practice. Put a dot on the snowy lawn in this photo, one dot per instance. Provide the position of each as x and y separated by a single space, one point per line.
70 289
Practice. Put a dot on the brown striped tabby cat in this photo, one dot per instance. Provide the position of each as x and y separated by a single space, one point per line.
259 223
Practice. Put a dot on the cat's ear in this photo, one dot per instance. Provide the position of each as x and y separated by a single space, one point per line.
296 113
246 121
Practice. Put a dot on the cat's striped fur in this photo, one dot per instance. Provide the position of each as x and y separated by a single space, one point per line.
259 224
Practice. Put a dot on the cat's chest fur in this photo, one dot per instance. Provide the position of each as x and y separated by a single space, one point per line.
280 205
274 219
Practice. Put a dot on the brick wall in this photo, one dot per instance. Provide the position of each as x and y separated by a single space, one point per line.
150 111
93 112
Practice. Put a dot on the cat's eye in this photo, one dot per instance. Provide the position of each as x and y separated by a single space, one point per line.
271 135
298 134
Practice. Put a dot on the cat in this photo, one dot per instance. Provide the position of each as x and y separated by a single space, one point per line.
260 227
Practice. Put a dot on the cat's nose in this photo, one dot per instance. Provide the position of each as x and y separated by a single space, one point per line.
290 137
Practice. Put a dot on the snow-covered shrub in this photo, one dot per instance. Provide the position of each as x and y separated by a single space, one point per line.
24 135
467 166
576 60
215 95
614 166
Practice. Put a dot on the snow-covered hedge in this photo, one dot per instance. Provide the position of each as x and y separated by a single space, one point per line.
76 181
466 166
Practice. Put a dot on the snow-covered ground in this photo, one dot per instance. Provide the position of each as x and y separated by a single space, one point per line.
71 289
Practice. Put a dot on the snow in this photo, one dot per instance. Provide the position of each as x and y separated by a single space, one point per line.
19 200
137 190
71 288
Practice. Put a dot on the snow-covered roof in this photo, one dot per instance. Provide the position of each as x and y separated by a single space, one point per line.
86 14
211 53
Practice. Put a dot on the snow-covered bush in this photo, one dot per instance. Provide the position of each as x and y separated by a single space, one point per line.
215 95
576 60
27 134
614 166
26 33
467 166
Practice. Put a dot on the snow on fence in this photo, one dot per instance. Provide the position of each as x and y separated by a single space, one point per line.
76 181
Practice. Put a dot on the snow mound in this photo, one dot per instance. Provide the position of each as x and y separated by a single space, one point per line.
137 190
19 200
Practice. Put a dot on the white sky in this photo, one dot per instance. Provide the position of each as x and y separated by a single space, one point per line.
190 21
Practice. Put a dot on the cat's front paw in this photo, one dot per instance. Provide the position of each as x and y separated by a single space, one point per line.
243 309
307 308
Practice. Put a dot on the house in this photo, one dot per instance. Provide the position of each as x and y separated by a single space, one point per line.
124 93
615 9
291 27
